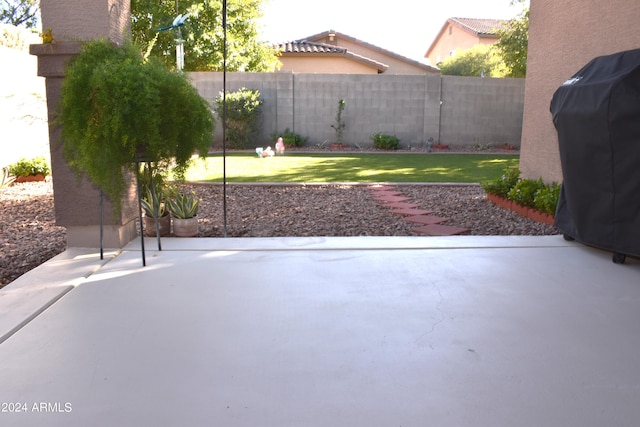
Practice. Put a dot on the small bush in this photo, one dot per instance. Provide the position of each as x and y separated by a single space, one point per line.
525 190
290 139
24 167
242 114
546 199
385 142
504 184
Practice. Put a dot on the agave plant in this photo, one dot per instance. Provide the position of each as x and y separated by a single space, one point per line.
183 206
151 205
5 177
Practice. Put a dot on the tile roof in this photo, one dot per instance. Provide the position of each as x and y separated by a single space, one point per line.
340 35
304 46
480 27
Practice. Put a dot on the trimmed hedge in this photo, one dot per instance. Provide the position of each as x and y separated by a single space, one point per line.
532 193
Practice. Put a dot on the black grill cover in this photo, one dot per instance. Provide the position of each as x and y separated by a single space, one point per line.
597 115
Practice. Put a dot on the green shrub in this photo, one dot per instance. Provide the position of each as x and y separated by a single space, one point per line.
117 109
385 142
242 116
290 139
504 184
340 124
546 199
35 166
525 190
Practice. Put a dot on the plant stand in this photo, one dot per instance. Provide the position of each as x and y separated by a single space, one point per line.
141 220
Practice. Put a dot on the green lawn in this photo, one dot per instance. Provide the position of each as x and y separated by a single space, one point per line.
353 167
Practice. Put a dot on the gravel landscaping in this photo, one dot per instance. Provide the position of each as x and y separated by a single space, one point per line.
29 237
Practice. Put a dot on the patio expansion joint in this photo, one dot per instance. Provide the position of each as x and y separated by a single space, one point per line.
64 289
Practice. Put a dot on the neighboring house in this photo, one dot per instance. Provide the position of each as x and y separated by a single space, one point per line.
458 34
334 52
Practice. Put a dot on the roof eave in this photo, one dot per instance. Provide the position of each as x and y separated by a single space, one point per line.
374 47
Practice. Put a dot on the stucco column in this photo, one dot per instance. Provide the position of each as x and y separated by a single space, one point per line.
77 203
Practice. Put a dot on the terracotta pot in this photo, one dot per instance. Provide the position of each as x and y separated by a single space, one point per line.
185 227
164 224
30 178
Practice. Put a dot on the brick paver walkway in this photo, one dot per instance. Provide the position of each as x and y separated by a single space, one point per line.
399 204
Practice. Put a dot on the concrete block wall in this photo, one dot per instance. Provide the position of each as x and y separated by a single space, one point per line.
481 111
451 110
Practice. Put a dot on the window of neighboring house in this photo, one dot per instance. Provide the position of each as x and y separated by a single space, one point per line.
452 53
450 30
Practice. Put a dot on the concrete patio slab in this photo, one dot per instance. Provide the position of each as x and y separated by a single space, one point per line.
37 289
438 331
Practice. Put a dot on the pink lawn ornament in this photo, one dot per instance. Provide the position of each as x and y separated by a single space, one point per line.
280 146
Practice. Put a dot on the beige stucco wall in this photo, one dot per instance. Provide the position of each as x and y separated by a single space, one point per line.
74 20
320 63
563 37
457 41
396 66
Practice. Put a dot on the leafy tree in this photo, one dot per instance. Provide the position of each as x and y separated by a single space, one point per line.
474 62
203 34
513 44
18 38
20 12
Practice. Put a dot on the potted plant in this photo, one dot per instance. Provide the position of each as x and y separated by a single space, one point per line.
153 200
155 211
118 109
28 170
184 209
6 178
